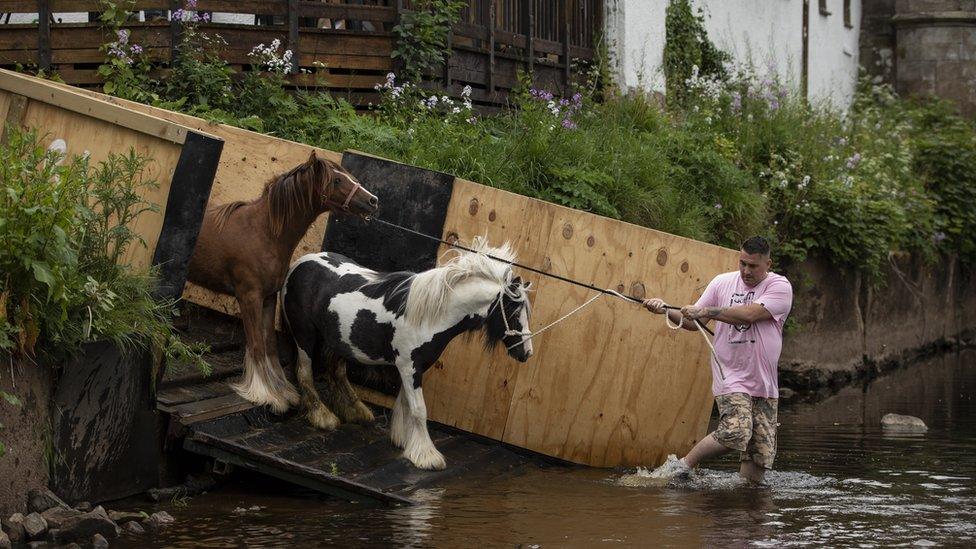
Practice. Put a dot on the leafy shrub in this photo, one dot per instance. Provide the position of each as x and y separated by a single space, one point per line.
66 229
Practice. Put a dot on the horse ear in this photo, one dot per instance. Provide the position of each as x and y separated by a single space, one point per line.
312 158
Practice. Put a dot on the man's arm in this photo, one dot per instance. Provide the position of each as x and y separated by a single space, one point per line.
740 314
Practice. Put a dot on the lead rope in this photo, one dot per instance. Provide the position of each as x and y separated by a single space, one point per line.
528 334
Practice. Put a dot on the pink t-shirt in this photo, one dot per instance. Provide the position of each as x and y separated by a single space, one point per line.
749 352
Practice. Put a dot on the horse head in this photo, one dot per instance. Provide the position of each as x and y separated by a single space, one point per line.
340 191
508 320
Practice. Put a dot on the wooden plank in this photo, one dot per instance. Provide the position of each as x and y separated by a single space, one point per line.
294 42
380 14
44 34
294 473
491 46
77 102
206 410
257 7
14 117
528 29
100 136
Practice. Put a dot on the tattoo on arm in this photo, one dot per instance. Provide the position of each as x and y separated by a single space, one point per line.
713 312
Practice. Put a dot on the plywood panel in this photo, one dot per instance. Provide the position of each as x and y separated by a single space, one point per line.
611 386
84 134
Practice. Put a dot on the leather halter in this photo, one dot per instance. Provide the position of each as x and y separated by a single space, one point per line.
344 206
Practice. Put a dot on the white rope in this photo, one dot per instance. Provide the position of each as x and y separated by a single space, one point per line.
667 320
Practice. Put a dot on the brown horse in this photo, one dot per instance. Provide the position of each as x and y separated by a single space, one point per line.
244 249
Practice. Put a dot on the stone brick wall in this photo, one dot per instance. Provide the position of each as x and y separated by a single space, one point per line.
935 50
877 44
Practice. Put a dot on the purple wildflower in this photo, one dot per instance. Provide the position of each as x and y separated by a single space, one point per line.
205 17
853 161
736 102
136 49
774 105
177 15
123 36
569 124
191 4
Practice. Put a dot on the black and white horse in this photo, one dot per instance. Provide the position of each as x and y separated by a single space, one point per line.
337 309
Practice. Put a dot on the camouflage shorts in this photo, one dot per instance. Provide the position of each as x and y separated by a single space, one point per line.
748 424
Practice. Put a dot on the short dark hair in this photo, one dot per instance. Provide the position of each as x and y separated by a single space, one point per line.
756 245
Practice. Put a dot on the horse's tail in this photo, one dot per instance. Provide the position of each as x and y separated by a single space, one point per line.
223 212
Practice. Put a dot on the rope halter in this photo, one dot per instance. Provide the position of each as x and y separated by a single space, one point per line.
518 294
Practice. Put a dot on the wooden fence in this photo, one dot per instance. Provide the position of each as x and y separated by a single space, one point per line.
352 38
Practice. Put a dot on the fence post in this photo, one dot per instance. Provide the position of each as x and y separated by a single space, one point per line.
566 68
491 48
528 29
44 34
397 62
293 38
447 58
175 32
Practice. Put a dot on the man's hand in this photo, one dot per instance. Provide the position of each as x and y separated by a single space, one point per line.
655 305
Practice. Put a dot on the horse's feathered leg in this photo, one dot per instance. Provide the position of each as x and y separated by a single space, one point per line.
419 448
341 396
254 385
318 413
277 380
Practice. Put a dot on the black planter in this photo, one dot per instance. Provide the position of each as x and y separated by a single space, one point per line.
104 425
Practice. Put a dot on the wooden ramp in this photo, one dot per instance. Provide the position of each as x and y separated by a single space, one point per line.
354 462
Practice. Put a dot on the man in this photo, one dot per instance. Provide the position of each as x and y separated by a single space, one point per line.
751 306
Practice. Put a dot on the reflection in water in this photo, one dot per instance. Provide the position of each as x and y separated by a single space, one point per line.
839 481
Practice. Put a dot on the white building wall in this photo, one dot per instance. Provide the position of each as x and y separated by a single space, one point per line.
635 29
834 51
765 34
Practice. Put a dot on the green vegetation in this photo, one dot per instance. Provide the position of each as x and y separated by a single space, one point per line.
68 231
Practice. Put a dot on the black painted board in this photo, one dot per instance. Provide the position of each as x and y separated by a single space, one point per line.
409 196
104 419
185 205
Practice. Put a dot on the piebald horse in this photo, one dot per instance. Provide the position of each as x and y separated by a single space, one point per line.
340 313
244 249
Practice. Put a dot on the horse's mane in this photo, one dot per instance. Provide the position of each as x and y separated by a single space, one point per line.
293 192
429 290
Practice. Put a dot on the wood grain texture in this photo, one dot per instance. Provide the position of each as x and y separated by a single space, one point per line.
612 386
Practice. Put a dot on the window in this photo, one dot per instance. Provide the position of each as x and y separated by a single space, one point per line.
823 8
847 14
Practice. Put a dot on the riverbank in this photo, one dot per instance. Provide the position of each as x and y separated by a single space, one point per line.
845 330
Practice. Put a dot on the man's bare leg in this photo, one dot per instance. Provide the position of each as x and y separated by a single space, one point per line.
706 448
752 471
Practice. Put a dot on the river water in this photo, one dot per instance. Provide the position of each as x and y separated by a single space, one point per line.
839 481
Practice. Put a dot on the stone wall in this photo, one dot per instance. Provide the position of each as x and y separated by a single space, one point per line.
849 328
936 54
25 433
877 46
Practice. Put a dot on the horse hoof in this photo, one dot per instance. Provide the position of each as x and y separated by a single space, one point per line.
429 459
359 413
324 419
